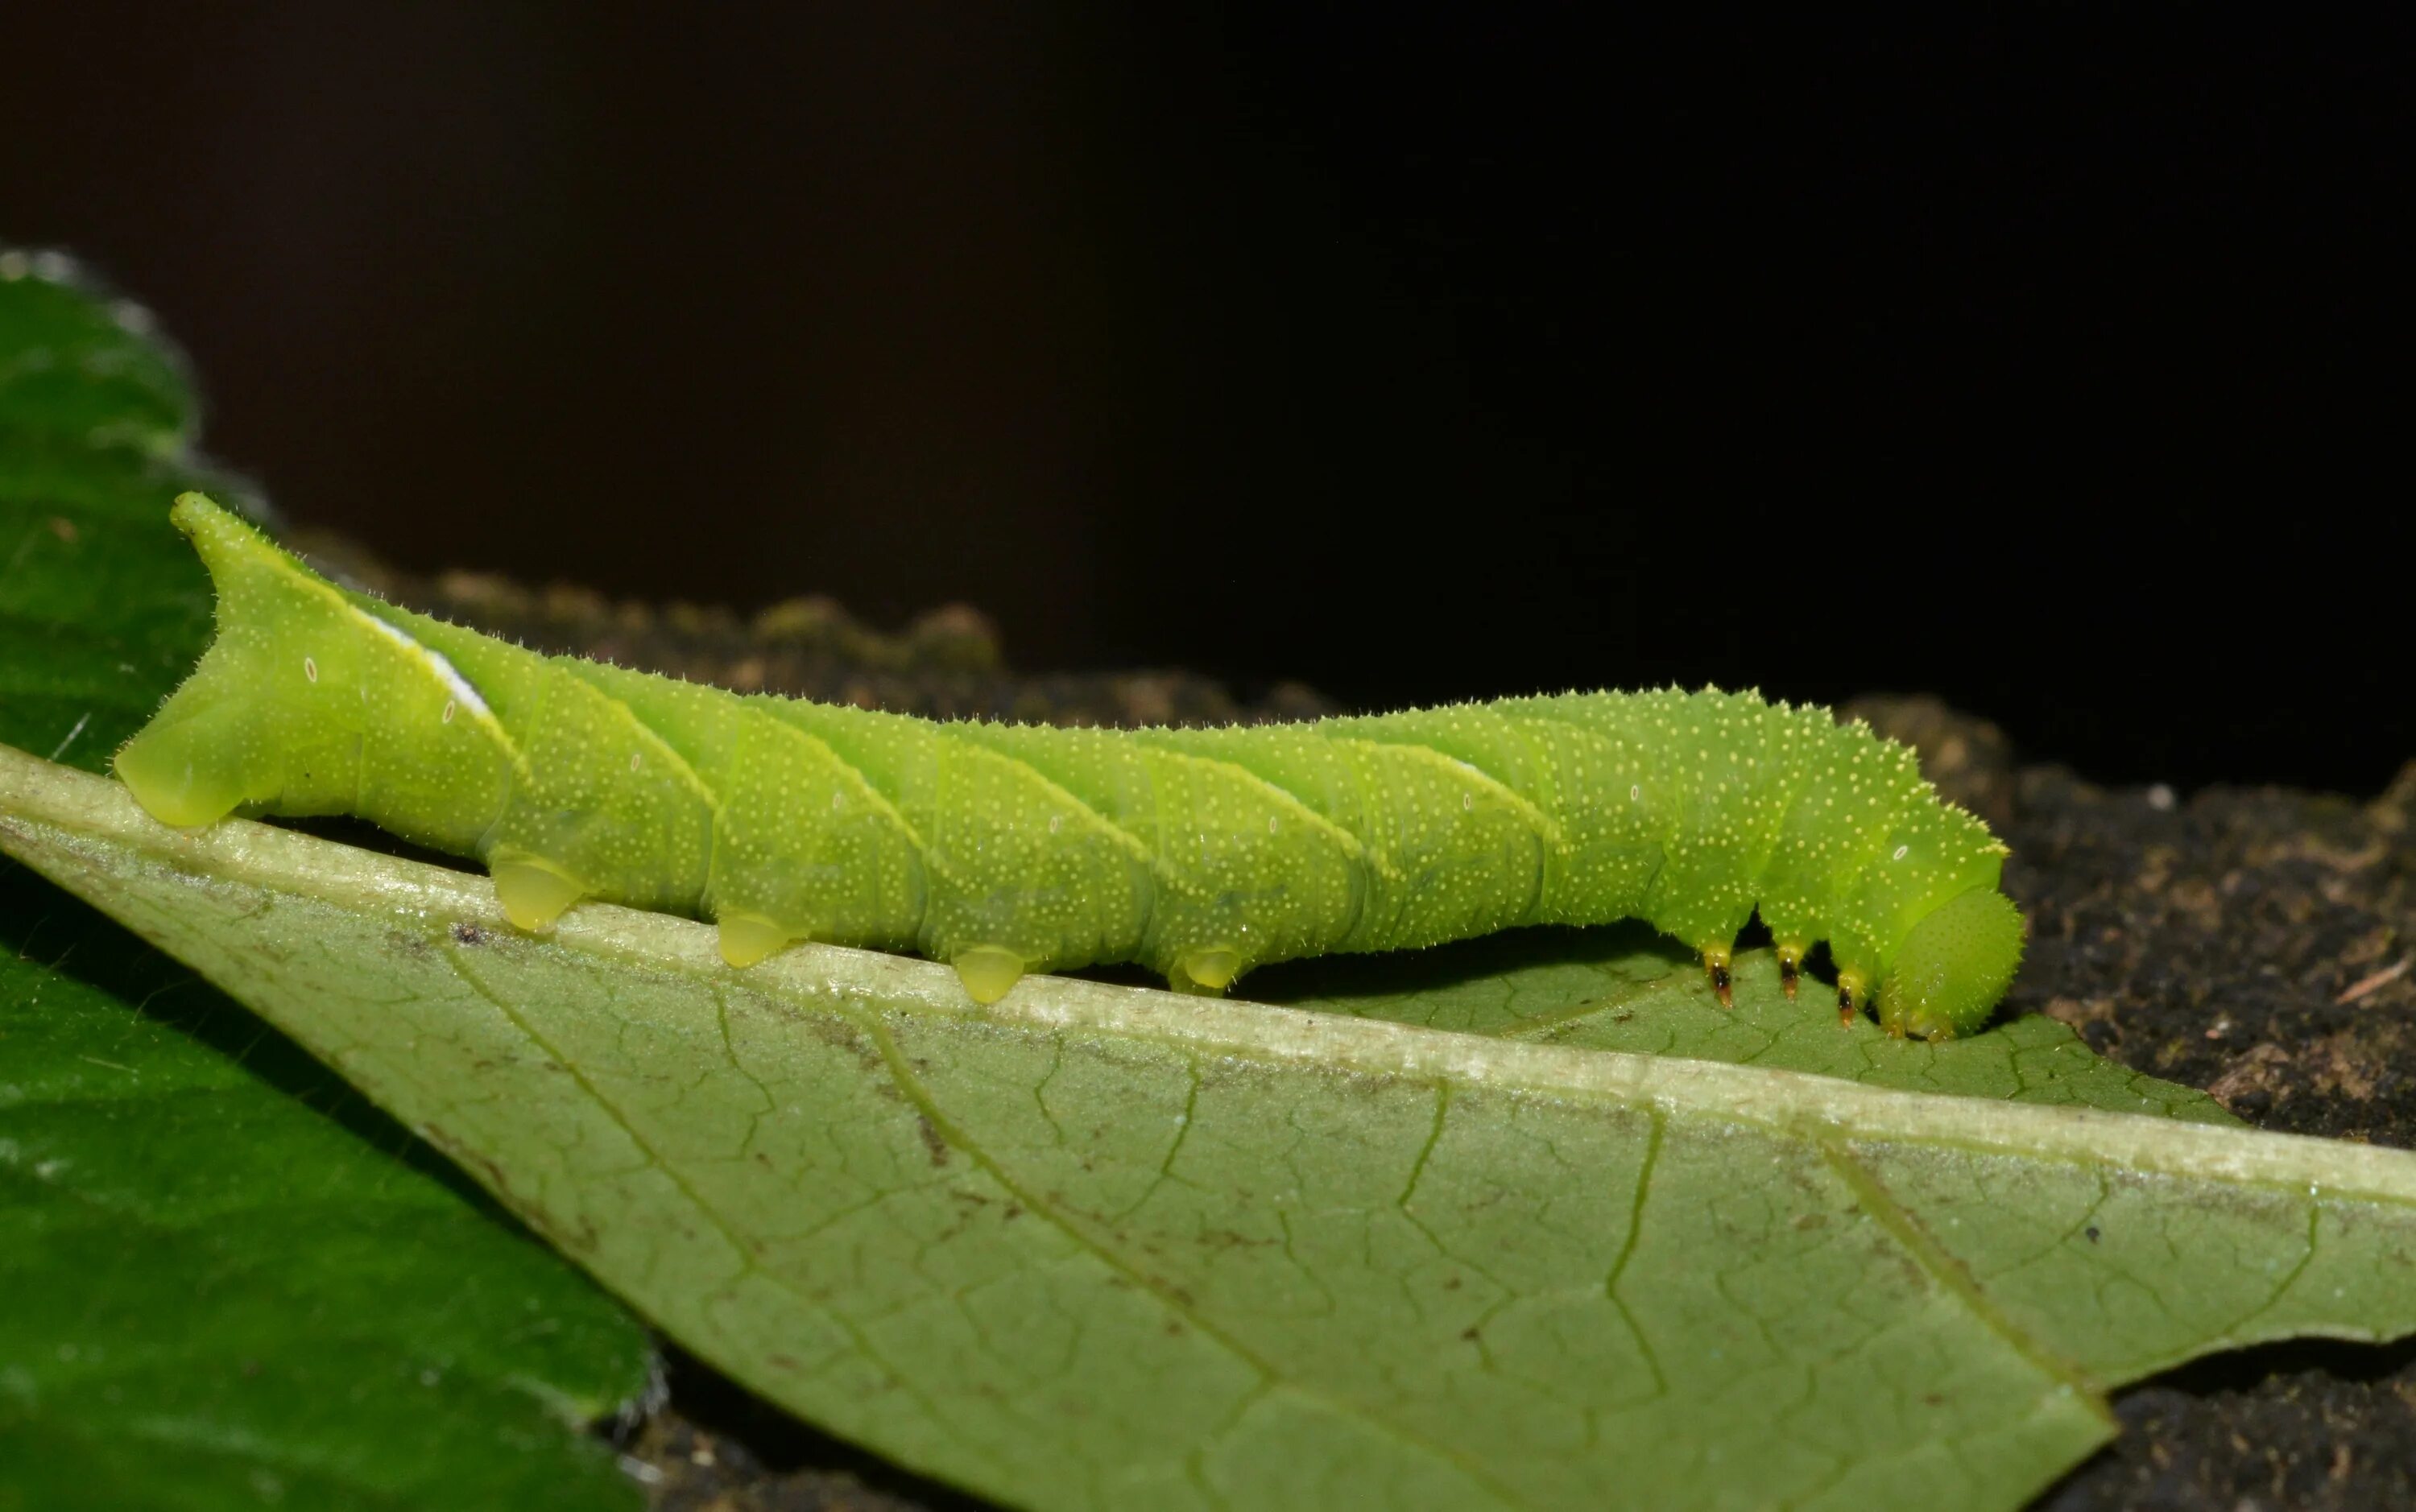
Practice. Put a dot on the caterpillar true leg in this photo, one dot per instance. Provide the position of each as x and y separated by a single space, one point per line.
1852 989
1791 964
1715 962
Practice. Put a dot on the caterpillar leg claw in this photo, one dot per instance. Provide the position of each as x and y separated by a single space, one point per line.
1791 964
1852 989
1715 962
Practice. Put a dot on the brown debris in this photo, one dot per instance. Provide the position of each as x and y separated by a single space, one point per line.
687 1467
2250 1084
2375 982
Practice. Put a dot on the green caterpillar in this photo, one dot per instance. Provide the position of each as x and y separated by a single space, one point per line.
1006 848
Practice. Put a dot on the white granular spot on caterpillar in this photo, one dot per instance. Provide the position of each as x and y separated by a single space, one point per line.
633 760
451 705
310 668
1902 851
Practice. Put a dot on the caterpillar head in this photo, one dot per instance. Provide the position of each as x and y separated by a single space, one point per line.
1953 968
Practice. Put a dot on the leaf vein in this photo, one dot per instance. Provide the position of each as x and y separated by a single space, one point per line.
911 1087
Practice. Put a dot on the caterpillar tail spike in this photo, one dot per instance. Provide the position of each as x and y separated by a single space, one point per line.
1005 849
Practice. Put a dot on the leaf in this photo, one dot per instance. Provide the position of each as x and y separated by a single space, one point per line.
243 1301
102 607
1097 1246
85 367
1627 989
239 1284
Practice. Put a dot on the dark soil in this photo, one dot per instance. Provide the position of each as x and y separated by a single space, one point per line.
2257 943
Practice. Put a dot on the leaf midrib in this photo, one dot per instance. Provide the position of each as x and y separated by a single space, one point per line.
82 811
911 1087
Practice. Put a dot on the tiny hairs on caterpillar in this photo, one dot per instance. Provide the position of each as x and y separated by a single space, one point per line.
1007 848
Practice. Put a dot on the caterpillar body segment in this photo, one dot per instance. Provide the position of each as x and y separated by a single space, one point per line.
1010 848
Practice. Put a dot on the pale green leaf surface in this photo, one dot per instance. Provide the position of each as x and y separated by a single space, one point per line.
1627 989
1097 1246
230 1281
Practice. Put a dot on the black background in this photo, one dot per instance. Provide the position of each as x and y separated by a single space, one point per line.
2051 359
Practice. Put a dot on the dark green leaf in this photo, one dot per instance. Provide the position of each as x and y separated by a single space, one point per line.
102 607
234 1283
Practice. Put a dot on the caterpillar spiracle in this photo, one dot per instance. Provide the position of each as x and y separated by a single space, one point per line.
1008 849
